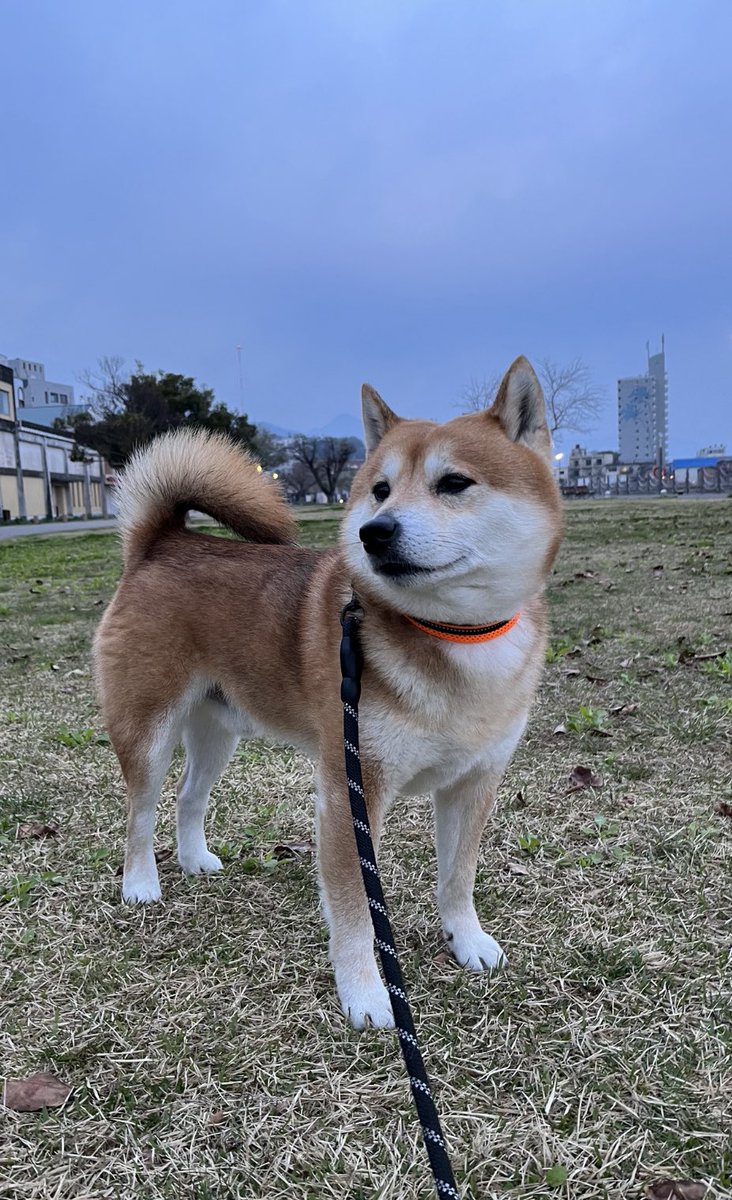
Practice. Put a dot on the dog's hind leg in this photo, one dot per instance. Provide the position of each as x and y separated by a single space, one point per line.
210 738
145 774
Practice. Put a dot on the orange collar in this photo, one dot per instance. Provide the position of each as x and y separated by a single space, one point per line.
464 633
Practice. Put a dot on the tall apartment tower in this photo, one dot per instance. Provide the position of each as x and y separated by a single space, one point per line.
643 413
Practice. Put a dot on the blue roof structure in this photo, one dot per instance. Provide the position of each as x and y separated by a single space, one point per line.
684 464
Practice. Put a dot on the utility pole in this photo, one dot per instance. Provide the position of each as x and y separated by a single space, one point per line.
241 379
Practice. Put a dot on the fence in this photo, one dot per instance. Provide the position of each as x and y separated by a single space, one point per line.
690 481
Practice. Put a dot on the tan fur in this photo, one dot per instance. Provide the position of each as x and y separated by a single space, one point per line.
260 624
194 469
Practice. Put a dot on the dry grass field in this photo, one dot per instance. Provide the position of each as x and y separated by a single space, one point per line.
202 1038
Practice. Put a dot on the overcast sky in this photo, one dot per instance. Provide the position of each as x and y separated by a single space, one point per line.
406 191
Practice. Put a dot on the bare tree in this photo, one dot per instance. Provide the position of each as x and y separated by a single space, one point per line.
480 393
326 458
106 384
573 400
297 481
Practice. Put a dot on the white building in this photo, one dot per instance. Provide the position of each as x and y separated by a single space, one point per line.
643 413
588 471
41 472
39 399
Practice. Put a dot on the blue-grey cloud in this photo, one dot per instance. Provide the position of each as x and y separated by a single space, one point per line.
409 192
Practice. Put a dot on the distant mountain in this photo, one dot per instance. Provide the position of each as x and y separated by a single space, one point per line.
277 430
344 425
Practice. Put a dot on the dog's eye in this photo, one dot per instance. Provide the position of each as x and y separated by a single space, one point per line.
450 485
380 490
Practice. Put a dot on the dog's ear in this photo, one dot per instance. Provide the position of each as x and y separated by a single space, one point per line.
377 417
520 408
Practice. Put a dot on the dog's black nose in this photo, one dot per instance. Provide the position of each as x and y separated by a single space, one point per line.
378 534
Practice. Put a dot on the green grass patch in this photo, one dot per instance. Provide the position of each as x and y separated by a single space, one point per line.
202 1036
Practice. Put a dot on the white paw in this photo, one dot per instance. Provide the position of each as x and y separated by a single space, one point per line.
140 887
476 951
366 1005
199 862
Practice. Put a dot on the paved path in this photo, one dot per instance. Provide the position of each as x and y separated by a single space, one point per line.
14 531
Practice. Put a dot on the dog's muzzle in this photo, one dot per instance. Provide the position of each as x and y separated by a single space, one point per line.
379 535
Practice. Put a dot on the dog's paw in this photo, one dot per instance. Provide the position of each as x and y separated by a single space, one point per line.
141 888
200 862
367 1006
477 951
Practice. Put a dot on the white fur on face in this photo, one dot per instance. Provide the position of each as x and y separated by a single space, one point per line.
485 549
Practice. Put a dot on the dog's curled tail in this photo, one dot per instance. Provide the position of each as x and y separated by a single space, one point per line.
192 469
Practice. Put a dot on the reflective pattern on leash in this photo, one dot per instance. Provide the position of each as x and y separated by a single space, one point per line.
351 663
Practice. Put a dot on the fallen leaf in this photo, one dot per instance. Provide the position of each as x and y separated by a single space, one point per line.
442 957
624 710
598 679
724 809
583 777
573 671
35 1092
516 868
293 849
675 1189
217 1117
561 729
35 829
710 654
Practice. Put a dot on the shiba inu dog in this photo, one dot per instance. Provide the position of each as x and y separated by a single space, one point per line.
448 538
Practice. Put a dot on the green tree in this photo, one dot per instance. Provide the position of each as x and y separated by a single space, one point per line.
126 411
269 449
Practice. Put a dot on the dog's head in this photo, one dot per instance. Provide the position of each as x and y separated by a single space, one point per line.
457 522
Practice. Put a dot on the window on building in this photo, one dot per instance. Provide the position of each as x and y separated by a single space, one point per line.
54 397
63 398
4 403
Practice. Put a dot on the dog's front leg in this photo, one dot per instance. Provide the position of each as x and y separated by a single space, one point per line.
363 997
461 812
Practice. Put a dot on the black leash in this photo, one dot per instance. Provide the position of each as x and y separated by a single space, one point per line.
351 666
